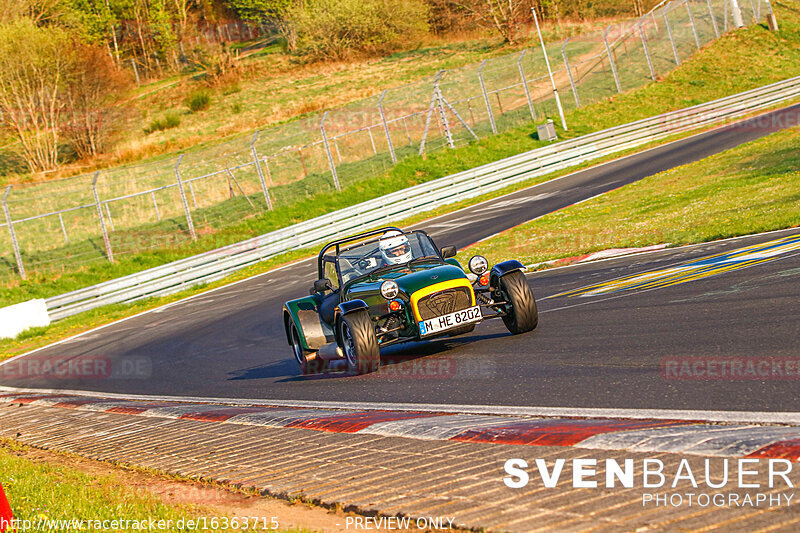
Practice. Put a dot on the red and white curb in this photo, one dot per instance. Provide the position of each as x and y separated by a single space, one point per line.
606 433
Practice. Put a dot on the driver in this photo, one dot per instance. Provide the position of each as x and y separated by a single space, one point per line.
394 248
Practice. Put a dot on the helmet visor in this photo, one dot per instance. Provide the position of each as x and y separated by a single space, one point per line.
398 250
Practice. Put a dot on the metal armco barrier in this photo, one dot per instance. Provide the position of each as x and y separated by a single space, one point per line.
216 264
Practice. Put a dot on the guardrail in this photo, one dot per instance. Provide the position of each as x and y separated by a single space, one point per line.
216 264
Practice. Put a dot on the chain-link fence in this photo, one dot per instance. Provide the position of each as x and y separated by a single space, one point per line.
59 225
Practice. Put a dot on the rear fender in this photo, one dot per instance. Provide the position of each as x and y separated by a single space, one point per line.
304 314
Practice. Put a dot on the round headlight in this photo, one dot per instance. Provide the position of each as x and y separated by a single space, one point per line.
389 289
478 265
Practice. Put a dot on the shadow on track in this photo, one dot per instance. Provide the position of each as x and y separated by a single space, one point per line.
391 357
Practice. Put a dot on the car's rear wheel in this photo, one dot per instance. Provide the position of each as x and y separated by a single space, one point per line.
308 365
359 343
521 312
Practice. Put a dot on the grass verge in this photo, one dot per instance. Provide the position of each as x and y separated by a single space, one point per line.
749 189
50 494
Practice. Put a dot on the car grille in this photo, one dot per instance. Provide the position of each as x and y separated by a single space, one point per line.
444 302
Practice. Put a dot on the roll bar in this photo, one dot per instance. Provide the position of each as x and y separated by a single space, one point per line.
337 244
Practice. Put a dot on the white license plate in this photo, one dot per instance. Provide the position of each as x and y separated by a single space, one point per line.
452 320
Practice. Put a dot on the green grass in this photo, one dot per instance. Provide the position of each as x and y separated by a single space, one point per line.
752 188
721 69
40 491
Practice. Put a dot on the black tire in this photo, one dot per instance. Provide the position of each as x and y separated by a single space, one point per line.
469 328
356 334
307 365
521 312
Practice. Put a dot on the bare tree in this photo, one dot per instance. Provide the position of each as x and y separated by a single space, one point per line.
32 66
92 85
37 10
502 16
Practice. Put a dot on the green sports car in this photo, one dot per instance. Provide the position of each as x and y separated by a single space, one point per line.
389 286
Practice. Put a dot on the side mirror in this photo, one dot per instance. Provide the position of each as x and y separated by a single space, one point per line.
322 285
449 251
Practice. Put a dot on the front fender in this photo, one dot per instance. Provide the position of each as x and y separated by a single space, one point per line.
350 306
503 268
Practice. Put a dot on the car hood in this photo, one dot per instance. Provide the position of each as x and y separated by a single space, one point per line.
409 282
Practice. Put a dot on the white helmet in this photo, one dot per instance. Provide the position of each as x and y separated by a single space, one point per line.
395 248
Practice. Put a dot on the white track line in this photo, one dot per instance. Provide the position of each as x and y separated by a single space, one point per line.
666 250
755 417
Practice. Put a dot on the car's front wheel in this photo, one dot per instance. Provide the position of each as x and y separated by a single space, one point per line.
359 343
521 312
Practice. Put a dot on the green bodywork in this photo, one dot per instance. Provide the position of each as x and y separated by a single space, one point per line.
313 331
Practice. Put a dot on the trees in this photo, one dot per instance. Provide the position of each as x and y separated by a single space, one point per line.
502 16
37 10
91 86
55 90
261 10
32 69
334 29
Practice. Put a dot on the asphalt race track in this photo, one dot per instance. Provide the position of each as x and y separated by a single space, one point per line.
610 347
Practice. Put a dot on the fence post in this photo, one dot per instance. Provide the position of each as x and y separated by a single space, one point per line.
549 71
183 198
772 22
753 6
691 21
14 242
611 59
525 84
485 97
155 205
736 13
569 73
257 163
713 20
63 228
106 240
135 71
646 49
725 16
669 33
386 127
328 151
